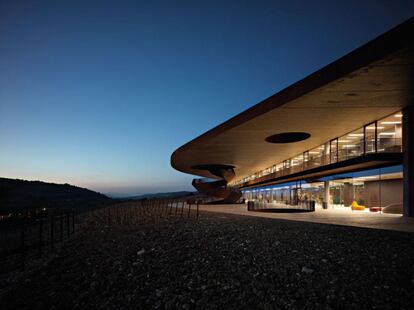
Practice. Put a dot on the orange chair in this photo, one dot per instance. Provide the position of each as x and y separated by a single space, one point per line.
356 207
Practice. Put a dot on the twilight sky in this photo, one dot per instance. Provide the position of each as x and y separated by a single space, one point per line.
100 93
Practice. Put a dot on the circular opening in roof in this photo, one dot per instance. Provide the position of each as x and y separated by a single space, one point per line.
288 137
212 167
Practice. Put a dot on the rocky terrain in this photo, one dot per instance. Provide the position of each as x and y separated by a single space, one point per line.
222 262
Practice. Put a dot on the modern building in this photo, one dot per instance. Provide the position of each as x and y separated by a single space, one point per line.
343 137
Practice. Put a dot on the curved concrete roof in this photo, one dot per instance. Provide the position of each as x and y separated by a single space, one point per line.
367 84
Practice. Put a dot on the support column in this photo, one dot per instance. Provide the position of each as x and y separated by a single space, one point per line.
327 197
408 162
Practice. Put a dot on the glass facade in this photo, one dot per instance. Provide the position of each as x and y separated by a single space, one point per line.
381 136
372 191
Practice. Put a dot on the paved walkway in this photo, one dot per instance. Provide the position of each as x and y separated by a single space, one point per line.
335 217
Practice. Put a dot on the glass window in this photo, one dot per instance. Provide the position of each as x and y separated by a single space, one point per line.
370 138
333 151
305 157
278 168
351 145
312 192
315 157
343 143
297 163
389 133
336 193
306 160
316 152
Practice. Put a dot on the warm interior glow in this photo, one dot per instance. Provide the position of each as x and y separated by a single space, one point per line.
391 122
347 146
373 127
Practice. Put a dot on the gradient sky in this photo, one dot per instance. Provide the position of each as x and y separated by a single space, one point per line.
99 94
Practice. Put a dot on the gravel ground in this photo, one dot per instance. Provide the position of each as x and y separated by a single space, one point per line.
223 262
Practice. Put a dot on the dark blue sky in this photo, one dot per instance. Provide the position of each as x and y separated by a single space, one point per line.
99 94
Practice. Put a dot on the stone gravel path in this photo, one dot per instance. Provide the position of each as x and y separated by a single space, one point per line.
223 262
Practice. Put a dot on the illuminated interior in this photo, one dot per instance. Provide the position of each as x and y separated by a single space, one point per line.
381 136
370 191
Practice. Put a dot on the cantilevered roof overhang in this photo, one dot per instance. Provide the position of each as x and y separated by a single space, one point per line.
367 84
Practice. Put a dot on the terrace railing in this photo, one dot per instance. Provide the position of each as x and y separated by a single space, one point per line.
27 240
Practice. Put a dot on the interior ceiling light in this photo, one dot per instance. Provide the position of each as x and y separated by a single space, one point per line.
391 122
387 133
398 115
355 135
373 127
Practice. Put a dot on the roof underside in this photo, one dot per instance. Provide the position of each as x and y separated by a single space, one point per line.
365 85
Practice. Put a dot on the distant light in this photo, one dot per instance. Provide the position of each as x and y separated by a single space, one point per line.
398 115
387 133
356 135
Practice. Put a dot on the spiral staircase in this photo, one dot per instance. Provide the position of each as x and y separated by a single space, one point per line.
218 188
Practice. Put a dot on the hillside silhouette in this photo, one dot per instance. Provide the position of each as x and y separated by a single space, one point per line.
18 195
171 195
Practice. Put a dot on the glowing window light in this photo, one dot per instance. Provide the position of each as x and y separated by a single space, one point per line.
373 128
391 122
366 177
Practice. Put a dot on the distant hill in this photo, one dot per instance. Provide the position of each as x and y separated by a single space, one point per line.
162 195
16 195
